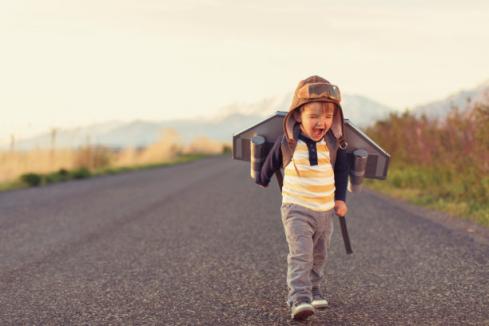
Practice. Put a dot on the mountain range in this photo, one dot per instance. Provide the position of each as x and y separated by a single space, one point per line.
233 118
463 100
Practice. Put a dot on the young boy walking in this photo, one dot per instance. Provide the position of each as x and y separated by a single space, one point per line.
312 152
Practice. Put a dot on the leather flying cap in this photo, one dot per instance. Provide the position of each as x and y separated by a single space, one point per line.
315 89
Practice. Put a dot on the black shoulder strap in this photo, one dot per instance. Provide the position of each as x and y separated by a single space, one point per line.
286 152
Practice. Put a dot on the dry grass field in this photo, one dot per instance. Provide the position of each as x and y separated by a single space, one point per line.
16 163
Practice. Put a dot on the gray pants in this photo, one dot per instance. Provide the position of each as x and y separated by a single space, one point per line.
308 235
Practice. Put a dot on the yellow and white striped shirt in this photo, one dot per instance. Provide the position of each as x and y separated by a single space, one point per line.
309 186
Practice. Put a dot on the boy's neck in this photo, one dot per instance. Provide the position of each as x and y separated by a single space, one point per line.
306 139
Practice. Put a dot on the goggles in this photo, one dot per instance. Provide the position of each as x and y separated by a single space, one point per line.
319 90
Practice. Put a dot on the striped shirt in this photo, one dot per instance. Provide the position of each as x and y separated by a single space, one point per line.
309 181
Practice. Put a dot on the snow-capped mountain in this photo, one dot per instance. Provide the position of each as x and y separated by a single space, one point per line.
463 100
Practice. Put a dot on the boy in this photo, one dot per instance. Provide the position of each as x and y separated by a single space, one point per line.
312 152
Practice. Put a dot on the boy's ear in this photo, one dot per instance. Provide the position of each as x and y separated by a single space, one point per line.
297 116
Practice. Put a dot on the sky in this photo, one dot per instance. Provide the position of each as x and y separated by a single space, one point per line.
66 63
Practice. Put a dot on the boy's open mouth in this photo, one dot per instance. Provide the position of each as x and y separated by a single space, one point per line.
318 132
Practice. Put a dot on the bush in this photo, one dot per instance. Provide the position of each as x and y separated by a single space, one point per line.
81 173
63 172
31 179
226 149
60 175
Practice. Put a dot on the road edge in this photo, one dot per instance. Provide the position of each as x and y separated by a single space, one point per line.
476 232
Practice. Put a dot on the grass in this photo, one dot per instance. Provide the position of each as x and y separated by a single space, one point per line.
463 195
39 167
41 179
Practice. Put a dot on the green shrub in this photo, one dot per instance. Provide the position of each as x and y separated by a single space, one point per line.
63 172
31 179
80 173
226 149
60 175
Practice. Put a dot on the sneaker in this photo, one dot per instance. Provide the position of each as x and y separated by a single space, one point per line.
302 308
318 300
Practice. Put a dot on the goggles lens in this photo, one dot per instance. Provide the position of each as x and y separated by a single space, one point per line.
319 90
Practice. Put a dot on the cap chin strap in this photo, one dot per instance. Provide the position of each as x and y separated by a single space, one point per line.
337 129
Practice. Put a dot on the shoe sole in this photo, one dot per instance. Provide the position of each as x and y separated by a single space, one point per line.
303 313
320 304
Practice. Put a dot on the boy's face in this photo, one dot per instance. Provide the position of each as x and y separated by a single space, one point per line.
315 119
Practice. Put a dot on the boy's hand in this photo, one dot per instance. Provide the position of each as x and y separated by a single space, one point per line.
340 208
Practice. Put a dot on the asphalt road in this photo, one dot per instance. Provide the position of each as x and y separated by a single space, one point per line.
200 244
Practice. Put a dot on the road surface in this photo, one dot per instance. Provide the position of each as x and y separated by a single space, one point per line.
200 244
